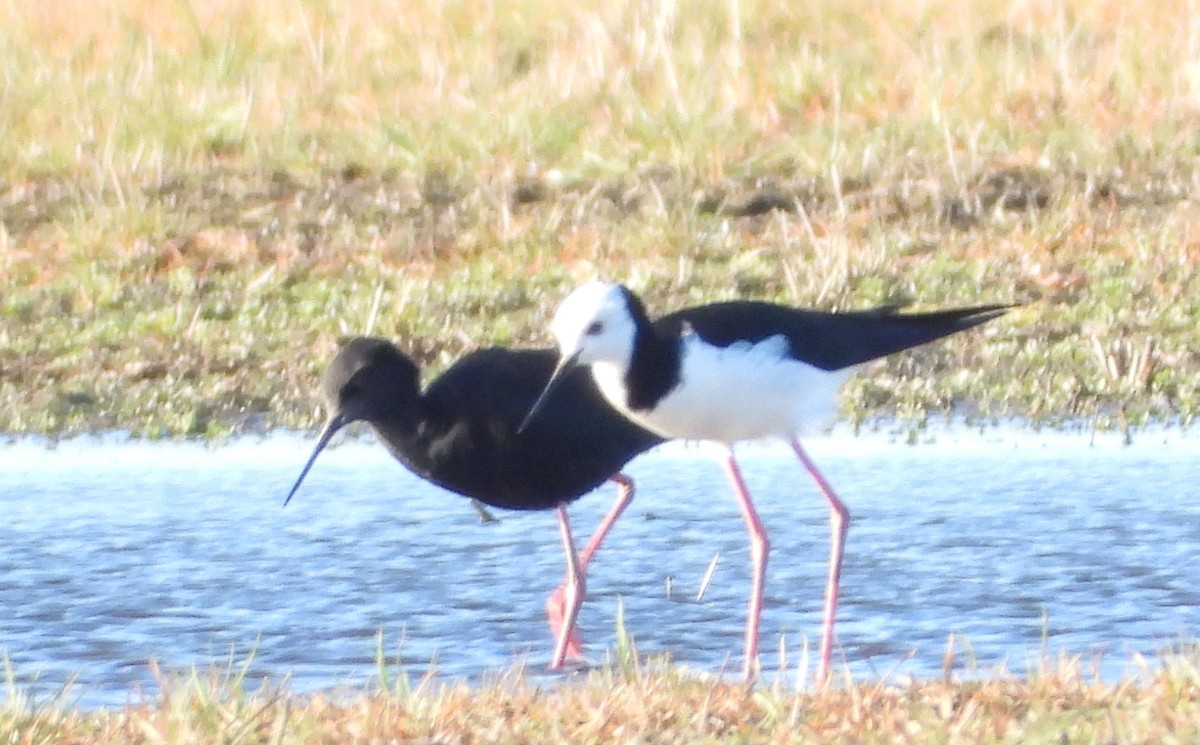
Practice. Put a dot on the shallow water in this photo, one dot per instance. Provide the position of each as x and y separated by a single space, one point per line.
115 553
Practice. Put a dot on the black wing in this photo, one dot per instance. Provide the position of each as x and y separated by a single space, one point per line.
829 341
576 443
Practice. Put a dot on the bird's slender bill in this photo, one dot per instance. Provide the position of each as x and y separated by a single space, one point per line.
564 365
336 422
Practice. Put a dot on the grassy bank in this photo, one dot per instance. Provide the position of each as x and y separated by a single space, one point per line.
199 199
1063 702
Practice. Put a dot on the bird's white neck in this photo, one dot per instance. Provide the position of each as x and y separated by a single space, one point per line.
610 379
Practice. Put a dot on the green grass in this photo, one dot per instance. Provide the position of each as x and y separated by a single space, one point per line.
199 200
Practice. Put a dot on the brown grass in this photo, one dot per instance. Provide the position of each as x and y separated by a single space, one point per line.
1064 701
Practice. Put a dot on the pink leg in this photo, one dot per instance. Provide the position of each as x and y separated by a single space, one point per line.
839 522
760 547
624 497
574 591
556 603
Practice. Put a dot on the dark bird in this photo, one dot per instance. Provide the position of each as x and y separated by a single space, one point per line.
461 434
736 371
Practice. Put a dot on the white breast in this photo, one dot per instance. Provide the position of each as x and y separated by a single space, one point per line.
741 392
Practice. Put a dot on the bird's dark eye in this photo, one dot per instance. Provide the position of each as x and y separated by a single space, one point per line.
595 328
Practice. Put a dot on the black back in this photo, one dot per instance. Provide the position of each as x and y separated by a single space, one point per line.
460 433
829 341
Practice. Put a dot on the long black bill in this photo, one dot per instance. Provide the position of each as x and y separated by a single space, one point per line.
336 422
564 365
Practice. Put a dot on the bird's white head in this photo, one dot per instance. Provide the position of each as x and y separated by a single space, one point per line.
595 324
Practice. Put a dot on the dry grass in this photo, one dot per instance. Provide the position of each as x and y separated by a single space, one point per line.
198 199
653 703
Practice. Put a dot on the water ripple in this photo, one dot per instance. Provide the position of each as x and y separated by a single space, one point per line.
115 554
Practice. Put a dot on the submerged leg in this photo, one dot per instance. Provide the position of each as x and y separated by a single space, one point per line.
556 603
760 547
574 590
839 522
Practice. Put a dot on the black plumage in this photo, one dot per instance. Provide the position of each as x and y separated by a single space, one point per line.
829 341
461 434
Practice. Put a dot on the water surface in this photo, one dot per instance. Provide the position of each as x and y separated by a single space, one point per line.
114 553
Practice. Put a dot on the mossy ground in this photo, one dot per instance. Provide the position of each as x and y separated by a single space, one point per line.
198 200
